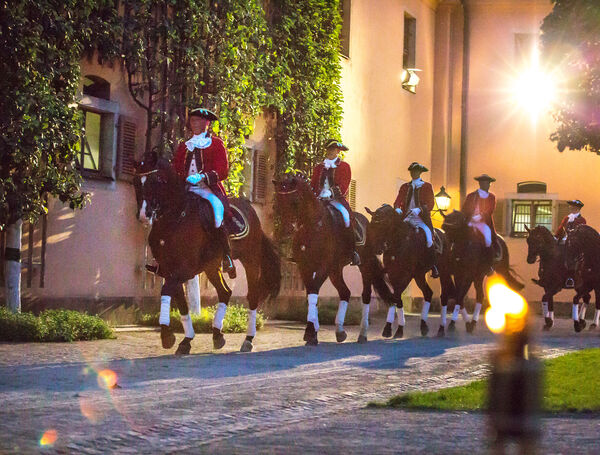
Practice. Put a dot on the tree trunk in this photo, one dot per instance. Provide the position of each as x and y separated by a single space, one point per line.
192 292
12 266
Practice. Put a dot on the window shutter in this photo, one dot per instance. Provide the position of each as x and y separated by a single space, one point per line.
562 210
500 216
352 195
259 178
126 148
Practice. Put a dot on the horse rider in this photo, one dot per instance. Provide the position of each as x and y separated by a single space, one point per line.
330 182
479 208
568 223
416 201
202 162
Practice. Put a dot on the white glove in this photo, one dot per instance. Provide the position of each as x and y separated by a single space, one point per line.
325 194
399 211
476 218
194 179
416 211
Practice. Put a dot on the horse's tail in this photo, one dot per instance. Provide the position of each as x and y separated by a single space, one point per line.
504 268
373 266
270 269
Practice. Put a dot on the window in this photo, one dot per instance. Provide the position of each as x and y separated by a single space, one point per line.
410 42
530 213
345 6
255 176
97 87
90 146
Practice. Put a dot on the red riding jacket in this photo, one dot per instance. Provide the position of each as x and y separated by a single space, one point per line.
561 231
424 197
486 208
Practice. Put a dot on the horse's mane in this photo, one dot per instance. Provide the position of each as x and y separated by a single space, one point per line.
585 239
543 232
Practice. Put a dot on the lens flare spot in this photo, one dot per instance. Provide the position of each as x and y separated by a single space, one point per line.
90 411
107 379
48 438
495 320
508 309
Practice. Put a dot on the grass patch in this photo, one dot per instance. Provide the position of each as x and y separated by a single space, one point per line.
569 386
236 320
327 313
52 325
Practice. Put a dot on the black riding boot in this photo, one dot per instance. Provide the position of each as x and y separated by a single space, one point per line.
354 257
432 259
227 265
489 260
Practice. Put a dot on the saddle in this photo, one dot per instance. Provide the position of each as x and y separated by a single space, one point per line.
237 224
360 231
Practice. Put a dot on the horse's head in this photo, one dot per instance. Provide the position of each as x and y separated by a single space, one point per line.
291 192
384 226
154 184
539 241
455 225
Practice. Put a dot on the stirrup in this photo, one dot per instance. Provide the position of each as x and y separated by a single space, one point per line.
228 267
355 258
569 283
434 272
152 268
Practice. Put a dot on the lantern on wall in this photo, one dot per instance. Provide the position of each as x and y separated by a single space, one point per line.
442 200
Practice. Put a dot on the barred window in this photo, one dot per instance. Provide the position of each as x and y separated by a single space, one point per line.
530 213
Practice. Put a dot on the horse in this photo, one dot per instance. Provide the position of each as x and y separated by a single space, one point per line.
181 241
319 252
583 248
552 273
469 265
405 259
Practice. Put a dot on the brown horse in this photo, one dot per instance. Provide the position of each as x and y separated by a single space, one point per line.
552 274
182 242
469 265
583 248
405 257
320 252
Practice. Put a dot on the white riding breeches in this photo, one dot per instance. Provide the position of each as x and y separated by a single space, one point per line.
485 231
205 193
416 221
340 208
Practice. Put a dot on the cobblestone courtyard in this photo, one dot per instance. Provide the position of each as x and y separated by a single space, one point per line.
282 398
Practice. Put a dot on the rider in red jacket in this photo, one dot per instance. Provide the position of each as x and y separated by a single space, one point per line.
569 222
330 182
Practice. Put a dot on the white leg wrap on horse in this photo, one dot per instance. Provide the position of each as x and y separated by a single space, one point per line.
545 309
251 323
391 315
476 311
597 317
583 311
364 322
219 316
165 308
455 313
551 314
401 319
341 314
425 310
464 314
443 315
188 327
575 313
313 312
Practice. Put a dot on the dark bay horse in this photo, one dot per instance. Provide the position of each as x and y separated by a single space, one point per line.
552 273
319 250
583 248
404 251
469 265
182 242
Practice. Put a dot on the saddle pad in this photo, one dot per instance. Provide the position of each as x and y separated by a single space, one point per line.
497 248
238 226
336 216
360 232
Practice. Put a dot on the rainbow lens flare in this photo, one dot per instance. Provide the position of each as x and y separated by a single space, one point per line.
48 438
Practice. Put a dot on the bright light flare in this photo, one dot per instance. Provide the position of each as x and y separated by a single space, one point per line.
508 309
534 91
48 438
107 379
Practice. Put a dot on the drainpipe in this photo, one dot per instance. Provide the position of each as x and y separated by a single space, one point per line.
464 100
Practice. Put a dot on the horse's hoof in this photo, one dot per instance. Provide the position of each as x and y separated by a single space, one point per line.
577 326
362 339
424 328
399 332
310 335
471 326
452 327
184 347
592 326
441 332
387 330
549 323
582 323
218 339
167 337
341 336
246 346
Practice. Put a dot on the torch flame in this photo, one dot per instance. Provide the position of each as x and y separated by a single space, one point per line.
505 304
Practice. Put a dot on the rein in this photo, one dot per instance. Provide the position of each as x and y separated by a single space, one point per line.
145 174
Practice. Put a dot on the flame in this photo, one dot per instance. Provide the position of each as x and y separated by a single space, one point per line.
48 438
508 309
107 379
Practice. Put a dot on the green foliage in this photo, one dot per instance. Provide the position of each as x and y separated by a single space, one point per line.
306 88
571 42
52 325
41 44
327 314
569 386
236 320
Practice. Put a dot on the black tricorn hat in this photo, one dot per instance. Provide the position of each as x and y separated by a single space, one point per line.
202 112
575 203
415 165
335 143
485 177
